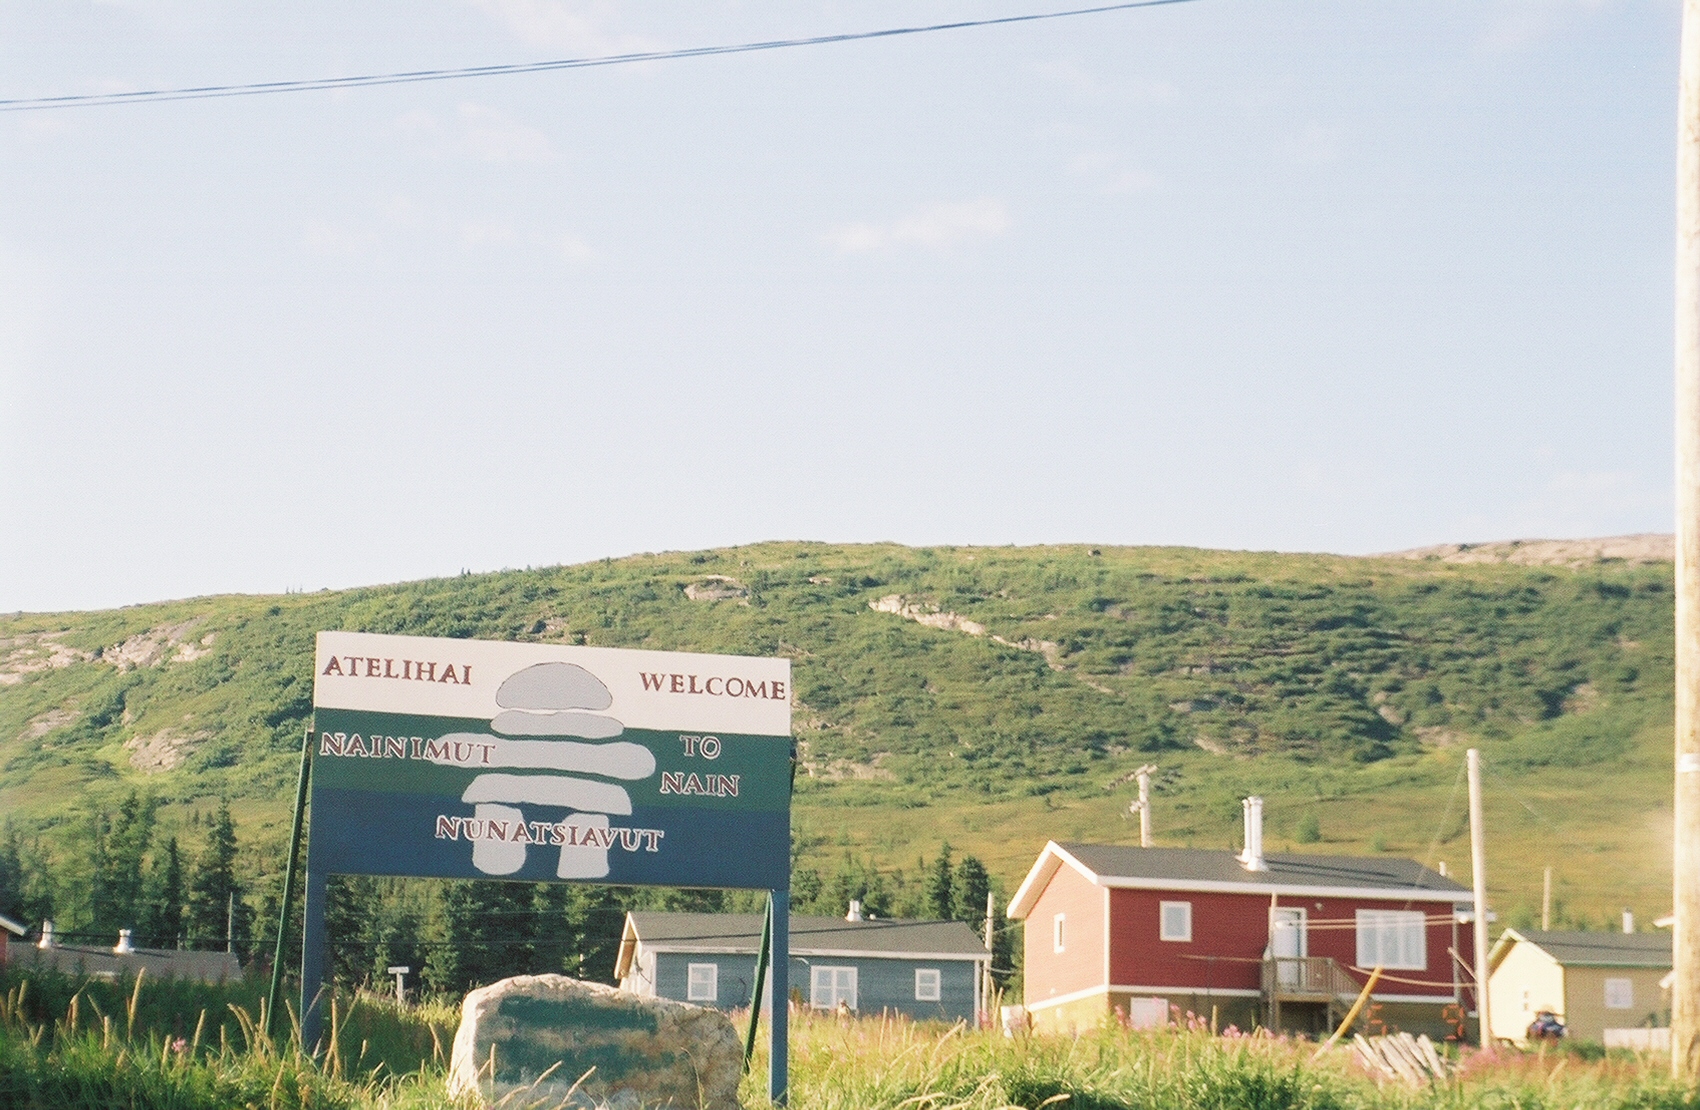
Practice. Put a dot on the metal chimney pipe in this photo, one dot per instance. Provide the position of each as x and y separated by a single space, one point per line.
855 913
46 940
124 947
1143 806
1628 922
1252 858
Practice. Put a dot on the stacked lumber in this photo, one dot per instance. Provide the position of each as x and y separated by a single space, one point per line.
1412 1060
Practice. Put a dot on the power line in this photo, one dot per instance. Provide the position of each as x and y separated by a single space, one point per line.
212 92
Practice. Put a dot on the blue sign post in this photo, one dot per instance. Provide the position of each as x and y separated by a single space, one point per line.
469 759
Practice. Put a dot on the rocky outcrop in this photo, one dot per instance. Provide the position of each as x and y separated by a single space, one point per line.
1636 550
550 1040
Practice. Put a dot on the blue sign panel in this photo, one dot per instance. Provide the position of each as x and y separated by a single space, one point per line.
469 759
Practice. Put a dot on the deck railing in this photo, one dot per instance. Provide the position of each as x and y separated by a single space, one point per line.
1297 978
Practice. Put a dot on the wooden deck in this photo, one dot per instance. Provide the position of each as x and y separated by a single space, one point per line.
1309 981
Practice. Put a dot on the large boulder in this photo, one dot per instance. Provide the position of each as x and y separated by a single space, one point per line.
638 1052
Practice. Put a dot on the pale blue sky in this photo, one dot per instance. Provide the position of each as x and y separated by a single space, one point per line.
1324 276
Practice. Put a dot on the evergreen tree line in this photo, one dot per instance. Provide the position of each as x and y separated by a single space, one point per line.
458 935
121 870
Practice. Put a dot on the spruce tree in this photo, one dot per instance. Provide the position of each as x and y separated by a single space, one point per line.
26 890
121 847
939 900
592 919
162 917
349 902
968 890
11 874
215 896
487 932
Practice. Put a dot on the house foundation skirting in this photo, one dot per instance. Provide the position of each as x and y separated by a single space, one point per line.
1080 1011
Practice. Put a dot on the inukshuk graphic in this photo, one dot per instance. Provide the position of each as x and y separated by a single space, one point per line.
542 707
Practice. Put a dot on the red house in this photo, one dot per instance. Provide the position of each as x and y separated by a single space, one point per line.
1282 941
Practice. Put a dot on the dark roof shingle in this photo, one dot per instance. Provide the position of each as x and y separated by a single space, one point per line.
741 932
1182 865
1603 949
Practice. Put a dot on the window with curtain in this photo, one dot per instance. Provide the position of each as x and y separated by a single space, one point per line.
1395 939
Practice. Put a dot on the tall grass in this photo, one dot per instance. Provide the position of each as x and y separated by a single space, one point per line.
108 1045
70 1042
901 1065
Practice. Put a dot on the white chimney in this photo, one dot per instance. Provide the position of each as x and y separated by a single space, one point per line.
1628 922
1252 858
46 940
123 947
855 913
1443 869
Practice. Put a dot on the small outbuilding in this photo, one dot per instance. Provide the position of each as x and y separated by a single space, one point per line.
1593 982
922 969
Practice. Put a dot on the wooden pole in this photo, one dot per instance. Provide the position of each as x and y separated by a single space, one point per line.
1478 880
1685 987
985 1019
275 995
1352 1014
1546 900
764 952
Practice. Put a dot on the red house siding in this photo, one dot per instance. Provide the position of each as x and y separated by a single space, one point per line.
1231 931
1229 927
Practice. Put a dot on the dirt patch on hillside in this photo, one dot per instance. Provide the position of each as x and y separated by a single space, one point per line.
929 615
163 751
1439 736
842 770
169 643
31 653
45 723
717 587
933 617
1639 550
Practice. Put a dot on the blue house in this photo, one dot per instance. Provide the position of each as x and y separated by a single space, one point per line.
933 970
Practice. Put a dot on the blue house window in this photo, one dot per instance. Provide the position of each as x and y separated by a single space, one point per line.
703 984
926 984
830 986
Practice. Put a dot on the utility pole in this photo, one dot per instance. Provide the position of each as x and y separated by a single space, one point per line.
1685 941
230 922
1143 806
1478 880
1546 900
989 985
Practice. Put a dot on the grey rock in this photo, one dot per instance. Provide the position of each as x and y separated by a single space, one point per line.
551 1041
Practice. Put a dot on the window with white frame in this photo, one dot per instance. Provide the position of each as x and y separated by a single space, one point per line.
1620 994
926 984
1175 921
1058 939
702 983
1394 939
829 986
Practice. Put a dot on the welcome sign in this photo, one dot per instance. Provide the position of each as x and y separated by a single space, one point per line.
471 759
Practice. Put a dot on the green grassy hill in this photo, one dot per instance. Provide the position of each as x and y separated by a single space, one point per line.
991 697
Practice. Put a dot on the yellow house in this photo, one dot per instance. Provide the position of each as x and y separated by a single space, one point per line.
1592 981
